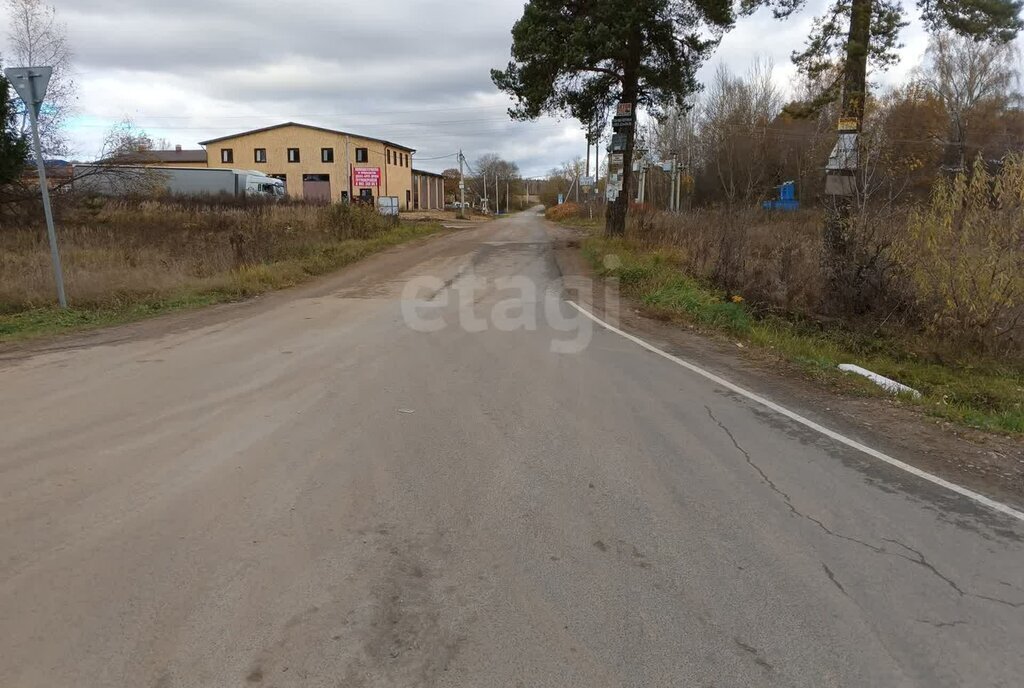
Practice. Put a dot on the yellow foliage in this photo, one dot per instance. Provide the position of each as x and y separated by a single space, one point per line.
964 254
563 211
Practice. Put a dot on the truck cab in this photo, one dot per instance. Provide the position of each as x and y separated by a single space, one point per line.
259 184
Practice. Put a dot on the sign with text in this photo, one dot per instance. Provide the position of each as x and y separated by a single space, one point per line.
622 122
618 143
366 176
624 109
848 124
616 159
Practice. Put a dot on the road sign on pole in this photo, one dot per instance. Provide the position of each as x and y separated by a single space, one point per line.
622 122
30 84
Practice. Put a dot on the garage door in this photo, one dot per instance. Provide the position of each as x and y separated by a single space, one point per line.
316 187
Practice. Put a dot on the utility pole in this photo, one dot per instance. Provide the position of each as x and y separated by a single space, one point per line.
679 188
497 194
675 179
485 191
641 191
462 185
30 83
590 131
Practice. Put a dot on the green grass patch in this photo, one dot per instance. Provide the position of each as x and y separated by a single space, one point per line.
236 285
978 393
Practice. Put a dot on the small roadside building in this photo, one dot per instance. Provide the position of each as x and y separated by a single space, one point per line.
317 163
427 190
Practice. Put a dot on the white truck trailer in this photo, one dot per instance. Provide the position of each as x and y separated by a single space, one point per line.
118 180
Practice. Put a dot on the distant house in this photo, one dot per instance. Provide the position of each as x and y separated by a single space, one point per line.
167 158
58 173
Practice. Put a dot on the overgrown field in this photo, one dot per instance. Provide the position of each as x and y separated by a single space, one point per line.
128 259
936 297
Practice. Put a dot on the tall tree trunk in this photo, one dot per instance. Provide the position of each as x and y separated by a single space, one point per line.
838 256
615 215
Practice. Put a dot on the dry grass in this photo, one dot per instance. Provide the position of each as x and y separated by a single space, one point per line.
772 260
974 390
563 211
119 251
127 259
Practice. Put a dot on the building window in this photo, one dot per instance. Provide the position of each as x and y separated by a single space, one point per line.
389 157
293 155
362 155
260 155
326 155
227 155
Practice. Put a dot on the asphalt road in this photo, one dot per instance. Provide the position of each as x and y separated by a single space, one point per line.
307 491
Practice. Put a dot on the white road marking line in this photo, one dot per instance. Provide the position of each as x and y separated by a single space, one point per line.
832 434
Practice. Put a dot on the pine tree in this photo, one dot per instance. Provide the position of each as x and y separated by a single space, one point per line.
583 56
13 145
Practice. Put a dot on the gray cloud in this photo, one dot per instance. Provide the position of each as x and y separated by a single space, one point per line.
414 71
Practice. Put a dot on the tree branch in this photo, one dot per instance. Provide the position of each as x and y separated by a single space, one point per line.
601 70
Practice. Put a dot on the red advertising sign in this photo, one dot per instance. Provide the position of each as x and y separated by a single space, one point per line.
366 176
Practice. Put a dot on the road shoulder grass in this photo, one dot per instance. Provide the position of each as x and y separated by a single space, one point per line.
978 393
237 285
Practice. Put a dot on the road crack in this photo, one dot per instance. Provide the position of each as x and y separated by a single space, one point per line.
832 577
918 559
942 624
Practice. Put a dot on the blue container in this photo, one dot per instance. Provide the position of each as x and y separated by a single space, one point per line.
786 200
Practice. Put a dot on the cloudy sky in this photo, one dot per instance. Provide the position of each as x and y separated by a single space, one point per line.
412 71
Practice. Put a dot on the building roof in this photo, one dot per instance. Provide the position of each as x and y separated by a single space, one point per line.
153 156
306 126
426 174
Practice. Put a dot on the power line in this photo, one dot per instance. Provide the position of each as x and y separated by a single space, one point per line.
440 157
328 114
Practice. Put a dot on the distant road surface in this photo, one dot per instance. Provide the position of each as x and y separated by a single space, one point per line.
307 491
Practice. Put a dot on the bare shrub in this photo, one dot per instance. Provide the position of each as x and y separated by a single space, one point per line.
770 259
564 211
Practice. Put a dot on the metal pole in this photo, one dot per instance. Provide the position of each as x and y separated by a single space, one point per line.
58 273
672 187
679 184
462 186
590 129
348 173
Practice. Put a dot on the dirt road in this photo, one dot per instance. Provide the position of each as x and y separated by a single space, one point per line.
308 491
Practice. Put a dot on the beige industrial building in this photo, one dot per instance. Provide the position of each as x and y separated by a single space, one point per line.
427 190
321 164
